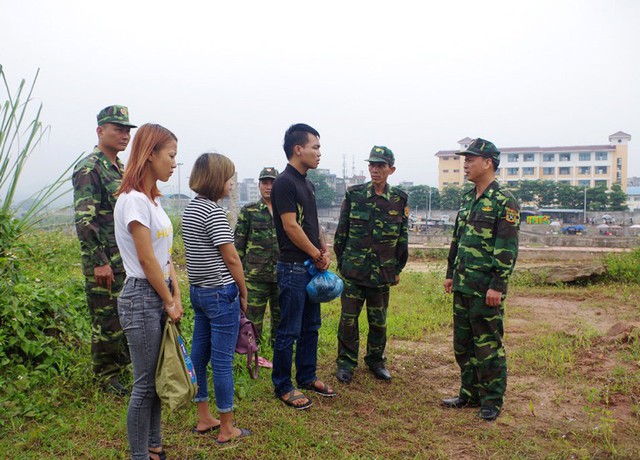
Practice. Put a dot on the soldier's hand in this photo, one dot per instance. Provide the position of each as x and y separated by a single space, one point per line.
396 280
494 298
104 276
448 286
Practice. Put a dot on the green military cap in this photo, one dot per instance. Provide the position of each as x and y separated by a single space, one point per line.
268 173
483 148
117 114
381 154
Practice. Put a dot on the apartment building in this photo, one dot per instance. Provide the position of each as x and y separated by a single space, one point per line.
581 165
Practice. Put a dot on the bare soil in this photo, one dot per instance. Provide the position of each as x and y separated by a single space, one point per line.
590 411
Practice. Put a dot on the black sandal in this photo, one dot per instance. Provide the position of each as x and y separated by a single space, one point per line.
161 455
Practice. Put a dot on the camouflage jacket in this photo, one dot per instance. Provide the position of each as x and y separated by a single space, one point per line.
95 180
484 248
371 242
256 243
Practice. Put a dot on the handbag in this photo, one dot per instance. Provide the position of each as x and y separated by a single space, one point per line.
247 344
176 383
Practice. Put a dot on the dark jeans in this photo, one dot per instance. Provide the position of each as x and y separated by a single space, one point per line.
299 322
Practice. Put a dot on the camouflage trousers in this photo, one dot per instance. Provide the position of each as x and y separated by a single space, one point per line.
258 295
352 299
109 350
477 343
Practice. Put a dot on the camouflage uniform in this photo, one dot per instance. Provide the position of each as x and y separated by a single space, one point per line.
257 246
371 246
482 256
95 180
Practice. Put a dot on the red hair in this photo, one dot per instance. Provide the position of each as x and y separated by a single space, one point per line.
148 139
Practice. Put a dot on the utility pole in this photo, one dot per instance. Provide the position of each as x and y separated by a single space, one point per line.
429 204
585 204
179 192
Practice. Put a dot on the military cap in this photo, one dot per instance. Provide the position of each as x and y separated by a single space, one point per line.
483 148
381 154
117 114
268 173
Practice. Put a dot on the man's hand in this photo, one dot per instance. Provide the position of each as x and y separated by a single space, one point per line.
104 276
448 286
494 298
396 280
323 263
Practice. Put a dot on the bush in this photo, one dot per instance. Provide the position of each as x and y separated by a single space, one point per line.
624 267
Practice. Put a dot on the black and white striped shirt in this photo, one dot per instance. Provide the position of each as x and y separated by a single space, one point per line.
205 227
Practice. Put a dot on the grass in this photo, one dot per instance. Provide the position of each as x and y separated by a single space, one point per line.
570 395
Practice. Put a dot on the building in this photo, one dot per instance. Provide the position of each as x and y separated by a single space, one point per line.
248 190
633 198
582 165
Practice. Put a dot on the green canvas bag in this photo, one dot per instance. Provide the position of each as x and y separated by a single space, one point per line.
176 382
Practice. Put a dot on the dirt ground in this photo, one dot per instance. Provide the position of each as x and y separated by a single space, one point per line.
592 410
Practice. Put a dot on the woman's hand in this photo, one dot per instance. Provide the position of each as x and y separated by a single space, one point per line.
243 303
174 311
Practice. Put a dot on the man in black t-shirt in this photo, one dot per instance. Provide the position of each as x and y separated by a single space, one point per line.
296 220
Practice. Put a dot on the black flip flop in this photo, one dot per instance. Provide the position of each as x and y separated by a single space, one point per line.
195 430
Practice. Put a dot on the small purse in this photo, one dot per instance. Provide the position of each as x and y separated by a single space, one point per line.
247 344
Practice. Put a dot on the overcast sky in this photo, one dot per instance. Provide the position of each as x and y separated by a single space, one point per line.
414 76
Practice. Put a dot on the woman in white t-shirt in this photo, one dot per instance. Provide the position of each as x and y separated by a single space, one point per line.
144 235
218 291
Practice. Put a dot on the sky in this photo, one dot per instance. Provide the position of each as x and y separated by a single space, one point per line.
416 76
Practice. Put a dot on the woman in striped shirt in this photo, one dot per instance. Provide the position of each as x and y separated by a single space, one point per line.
218 291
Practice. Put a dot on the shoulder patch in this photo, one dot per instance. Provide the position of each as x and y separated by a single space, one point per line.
512 215
406 211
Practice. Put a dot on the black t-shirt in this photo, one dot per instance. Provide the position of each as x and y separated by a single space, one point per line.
292 192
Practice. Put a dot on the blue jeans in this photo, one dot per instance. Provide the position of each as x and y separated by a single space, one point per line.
142 319
299 322
215 333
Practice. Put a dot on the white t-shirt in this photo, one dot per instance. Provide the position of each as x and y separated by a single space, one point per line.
205 228
136 206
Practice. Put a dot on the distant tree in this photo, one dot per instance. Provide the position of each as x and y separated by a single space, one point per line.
617 199
325 195
450 197
597 198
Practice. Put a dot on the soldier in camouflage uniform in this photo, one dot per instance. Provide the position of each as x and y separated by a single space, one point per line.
95 180
481 259
257 246
371 245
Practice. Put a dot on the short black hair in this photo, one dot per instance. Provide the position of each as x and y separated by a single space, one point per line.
297 134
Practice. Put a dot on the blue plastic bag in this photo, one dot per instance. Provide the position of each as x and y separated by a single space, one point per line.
324 286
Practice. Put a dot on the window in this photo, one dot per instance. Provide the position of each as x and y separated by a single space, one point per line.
565 157
564 171
528 157
601 156
549 157
445 171
585 156
601 169
512 171
601 183
456 157
584 169
584 183
527 171
445 158
564 182
619 161
445 183
513 157
456 170
548 171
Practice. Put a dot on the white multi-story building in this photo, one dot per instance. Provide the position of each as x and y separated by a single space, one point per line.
582 165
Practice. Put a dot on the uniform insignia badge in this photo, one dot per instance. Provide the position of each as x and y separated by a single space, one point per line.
512 216
123 111
406 211
487 208
393 212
